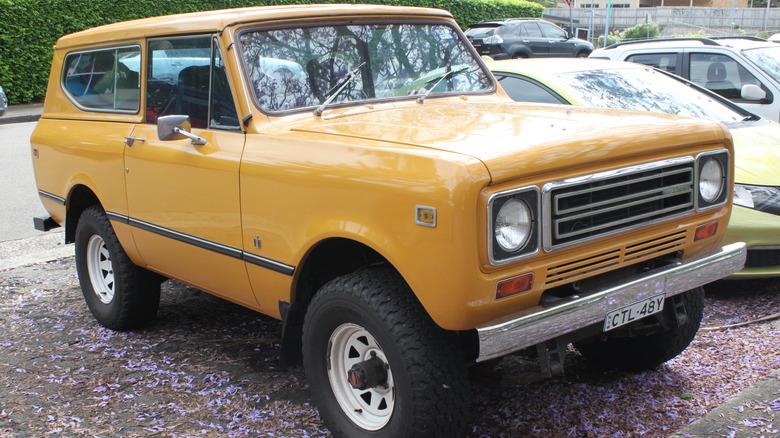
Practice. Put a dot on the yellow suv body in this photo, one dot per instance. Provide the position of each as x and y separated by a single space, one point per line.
356 172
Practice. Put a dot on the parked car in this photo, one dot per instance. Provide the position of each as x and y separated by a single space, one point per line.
401 228
745 70
608 84
3 102
525 38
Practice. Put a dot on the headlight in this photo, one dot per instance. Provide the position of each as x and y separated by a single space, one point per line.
712 176
514 225
493 39
711 180
761 198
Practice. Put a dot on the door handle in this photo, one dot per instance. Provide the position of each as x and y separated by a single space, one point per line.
130 140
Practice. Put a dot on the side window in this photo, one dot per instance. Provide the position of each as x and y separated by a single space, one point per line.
532 30
104 80
552 31
662 61
525 90
187 78
720 74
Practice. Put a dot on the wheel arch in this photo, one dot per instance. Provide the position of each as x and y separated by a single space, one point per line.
325 261
79 199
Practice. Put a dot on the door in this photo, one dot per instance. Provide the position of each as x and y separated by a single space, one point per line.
531 36
726 76
183 198
558 40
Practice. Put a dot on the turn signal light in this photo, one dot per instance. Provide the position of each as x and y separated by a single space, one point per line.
514 285
705 231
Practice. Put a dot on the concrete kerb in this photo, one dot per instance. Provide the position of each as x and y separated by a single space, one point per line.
22 113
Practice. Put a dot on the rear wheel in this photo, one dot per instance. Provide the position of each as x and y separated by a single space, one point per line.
649 342
377 365
119 294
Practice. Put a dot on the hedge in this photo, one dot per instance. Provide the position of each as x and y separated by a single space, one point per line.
32 27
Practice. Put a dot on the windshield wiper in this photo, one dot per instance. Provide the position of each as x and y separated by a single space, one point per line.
437 80
335 91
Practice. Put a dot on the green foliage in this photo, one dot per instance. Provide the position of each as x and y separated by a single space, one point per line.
639 32
32 27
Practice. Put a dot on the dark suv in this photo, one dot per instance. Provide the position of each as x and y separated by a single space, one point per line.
525 38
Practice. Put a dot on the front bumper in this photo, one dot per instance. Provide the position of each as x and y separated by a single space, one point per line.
539 324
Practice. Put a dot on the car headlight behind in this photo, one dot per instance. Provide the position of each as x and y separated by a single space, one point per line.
761 198
713 177
514 225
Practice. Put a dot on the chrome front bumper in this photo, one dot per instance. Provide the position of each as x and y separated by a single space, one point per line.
539 324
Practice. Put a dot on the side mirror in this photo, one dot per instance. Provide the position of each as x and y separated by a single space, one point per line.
177 128
752 92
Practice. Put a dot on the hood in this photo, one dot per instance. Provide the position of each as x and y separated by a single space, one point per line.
757 149
514 139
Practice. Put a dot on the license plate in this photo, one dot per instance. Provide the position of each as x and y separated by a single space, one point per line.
632 312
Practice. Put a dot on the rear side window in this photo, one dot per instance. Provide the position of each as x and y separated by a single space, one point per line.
104 80
661 61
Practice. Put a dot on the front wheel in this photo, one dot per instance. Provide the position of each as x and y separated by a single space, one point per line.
377 365
648 343
119 294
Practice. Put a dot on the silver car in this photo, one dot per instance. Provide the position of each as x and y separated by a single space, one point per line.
3 101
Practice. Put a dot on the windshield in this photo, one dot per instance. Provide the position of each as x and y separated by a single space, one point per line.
645 89
301 67
767 59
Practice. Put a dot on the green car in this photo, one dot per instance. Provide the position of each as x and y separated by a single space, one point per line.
609 84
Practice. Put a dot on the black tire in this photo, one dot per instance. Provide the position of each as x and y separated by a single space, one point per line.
647 351
372 313
582 54
120 294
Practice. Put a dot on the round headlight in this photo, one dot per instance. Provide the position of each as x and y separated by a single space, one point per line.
711 180
513 225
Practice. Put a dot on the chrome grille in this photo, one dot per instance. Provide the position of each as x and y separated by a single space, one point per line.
597 205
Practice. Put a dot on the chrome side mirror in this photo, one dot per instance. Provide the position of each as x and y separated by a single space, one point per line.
752 92
176 128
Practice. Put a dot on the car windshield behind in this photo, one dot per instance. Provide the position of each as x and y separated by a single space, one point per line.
767 59
645 89
302 67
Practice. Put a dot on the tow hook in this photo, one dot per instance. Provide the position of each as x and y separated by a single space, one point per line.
368 374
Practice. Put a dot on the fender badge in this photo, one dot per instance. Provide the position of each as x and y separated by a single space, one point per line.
425 216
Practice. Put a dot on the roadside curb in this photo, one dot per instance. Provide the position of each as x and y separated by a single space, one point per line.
22 114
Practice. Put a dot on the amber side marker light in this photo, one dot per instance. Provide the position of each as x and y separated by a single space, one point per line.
705 231
514 285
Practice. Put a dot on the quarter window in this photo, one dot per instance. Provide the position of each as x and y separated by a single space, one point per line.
662 61
104 80
524 90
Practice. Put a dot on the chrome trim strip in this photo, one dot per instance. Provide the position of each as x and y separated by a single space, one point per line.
538 324
664 211
269 264
632 196
51 197
186 238
208 245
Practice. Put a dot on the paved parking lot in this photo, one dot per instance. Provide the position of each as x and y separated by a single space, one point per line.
206 367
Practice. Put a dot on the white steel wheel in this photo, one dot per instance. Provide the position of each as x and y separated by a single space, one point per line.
101 271
370 408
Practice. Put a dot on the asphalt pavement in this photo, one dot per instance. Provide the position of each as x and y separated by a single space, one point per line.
754 412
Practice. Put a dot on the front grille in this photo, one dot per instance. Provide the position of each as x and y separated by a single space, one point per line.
608 203
763 258
631 254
